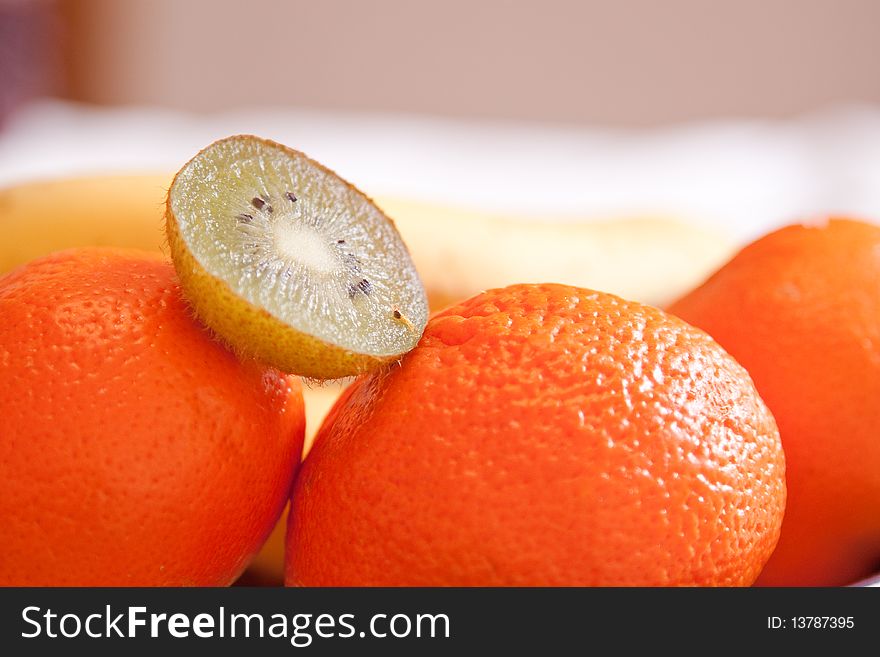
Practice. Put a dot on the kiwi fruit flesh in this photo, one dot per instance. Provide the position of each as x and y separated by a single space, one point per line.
290 264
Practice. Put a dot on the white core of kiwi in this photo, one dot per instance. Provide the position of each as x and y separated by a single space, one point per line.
298 243
296 240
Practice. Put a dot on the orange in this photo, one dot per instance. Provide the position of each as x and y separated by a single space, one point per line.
134 449
543 435
800 309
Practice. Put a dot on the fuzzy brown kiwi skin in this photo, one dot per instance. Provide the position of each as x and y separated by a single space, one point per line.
251 331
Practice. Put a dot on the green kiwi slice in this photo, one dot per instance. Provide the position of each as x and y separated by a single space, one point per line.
289 263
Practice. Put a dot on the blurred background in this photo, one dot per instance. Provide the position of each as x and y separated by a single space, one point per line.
741 114
632 63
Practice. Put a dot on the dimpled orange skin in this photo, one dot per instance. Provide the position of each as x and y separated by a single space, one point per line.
134 449
800 309
543 435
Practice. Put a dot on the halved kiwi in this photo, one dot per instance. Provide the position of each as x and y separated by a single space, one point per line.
289 263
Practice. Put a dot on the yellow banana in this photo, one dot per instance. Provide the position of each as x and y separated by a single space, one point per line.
462 252
458 252
48 215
